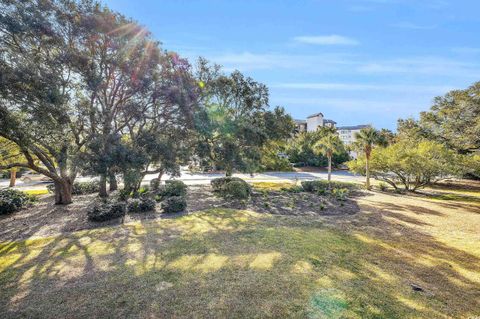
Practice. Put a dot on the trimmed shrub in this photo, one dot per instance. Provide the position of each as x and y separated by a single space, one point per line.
219 183
309 186
174 188
236 190
155 184
84 188
174 204
12 200
147 204
80 188
133 205
103 211
136 205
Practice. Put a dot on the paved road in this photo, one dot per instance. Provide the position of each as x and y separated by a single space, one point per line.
205 178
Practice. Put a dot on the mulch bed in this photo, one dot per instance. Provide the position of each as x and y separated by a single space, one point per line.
46 219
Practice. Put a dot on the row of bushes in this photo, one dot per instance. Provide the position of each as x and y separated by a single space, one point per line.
12 200
172 196
237 188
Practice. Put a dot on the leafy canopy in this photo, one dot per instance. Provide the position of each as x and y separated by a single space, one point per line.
410 163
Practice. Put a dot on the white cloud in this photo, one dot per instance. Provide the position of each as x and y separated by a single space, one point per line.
326 40
413 26
422 66
346 64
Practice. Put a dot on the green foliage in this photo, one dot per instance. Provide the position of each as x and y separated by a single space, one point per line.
367 139
174 188
231 187
155 184
309 186
233 122
453 120
143 204
44 115
340 194
133 205
387 137
236 190
301 149
323 186
143 191
219 183
413 164
12 200
293 189
174 204
106 210
274 157
80 188
329 144
84 97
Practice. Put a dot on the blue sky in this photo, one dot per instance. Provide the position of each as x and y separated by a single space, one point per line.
356 61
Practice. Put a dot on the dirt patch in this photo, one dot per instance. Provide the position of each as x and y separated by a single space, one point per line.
456 184
276 202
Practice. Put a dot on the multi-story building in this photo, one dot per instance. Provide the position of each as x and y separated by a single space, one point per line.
312 123
300 126
347 133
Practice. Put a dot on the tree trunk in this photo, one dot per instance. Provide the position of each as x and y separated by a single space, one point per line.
329 168
13 177
160 175
228 171
103 186
63 192
112 181
367 168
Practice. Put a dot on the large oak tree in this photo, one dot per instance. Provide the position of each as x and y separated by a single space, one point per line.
40 93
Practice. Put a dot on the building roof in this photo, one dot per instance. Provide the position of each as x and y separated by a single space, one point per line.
315 115
329 121
300 121
354 127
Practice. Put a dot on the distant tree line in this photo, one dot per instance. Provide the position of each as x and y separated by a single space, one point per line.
443 142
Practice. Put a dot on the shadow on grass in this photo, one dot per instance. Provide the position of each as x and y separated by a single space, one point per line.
225 263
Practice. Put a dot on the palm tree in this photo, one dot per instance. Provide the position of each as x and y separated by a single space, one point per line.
366 140
329 145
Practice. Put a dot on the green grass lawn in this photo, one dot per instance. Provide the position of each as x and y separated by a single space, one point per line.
227 264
